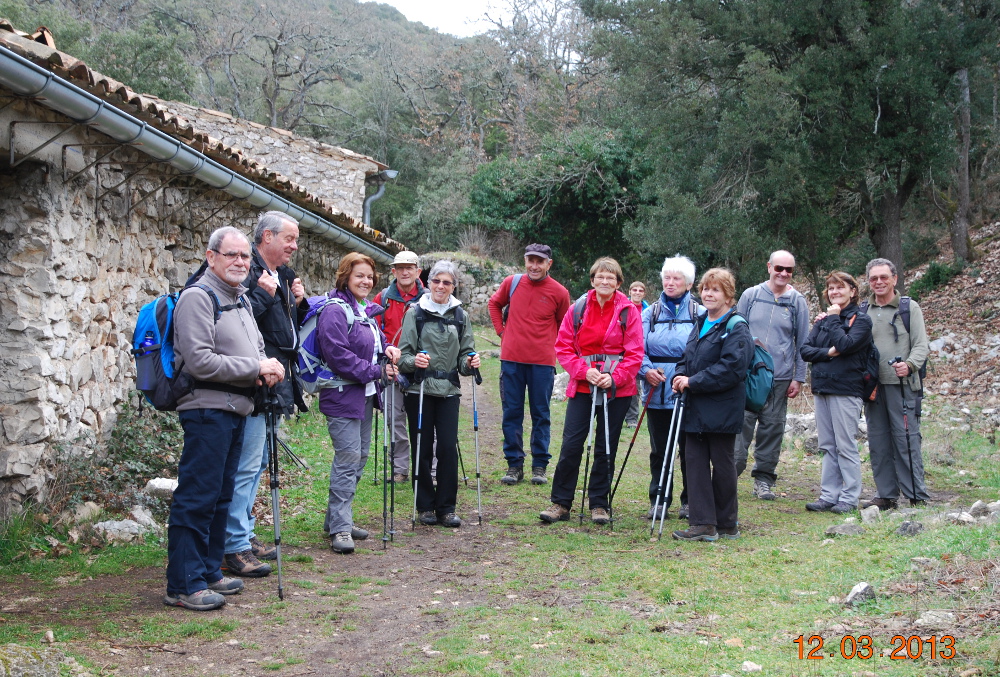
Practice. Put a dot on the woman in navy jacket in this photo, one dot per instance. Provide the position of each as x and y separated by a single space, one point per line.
711 376
838 347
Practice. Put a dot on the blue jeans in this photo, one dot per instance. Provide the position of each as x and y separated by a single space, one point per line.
213 440
253 461
515 377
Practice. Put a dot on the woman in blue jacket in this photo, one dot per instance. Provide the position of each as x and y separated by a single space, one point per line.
838 347
712 375
666 326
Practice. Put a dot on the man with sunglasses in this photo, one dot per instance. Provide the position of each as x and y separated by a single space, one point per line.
779 318
894 417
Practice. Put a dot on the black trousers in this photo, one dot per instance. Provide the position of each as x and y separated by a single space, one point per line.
658 423
440 422
575 430
711 473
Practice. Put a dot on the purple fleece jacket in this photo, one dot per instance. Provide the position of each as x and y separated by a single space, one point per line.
349 355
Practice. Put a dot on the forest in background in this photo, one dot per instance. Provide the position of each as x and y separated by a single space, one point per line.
839 129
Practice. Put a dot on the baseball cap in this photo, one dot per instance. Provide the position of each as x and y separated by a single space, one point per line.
406 257
542 250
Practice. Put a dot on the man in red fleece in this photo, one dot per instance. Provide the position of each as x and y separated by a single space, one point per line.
526 312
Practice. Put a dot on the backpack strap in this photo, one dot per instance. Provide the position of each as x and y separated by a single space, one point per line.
792 307
420 317
581 304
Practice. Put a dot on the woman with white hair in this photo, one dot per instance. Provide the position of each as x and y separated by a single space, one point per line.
436 346
666 325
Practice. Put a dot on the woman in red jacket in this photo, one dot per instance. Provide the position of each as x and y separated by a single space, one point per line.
600 347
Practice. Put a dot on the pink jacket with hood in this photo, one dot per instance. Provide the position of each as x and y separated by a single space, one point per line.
628 345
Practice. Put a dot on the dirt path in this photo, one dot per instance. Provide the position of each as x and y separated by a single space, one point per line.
365 614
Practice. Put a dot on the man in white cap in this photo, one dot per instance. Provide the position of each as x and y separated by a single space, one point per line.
526 312
401 293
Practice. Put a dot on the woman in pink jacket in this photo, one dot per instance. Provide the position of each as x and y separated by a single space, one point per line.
600 347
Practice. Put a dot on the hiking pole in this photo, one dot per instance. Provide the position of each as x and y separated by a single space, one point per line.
668 489
628 452
590 438
270 412
292 455
663 468
607 457
385 455
420 432
392 457
477 379
375 470
906 431
461 462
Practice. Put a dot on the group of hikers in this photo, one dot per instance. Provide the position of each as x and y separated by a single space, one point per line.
679 363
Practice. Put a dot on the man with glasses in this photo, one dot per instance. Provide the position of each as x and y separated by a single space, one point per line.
779 318
901 338
221 350
274 292
526 312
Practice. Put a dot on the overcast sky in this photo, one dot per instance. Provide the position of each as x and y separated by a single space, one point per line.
458 17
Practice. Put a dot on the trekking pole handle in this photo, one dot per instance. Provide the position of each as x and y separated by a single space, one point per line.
419 374
475 371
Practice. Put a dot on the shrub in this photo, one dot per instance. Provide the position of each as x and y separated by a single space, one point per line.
936 276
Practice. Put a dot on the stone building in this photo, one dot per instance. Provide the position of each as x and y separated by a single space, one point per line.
107 198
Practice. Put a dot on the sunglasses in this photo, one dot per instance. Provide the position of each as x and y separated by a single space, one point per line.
443 283
783 269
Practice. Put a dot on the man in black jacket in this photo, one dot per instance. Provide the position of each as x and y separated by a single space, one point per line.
275 292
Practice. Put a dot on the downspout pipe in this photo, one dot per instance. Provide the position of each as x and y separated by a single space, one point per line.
381 178
29 80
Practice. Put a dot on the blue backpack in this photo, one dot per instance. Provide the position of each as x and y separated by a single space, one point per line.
760 374
314 374
157 377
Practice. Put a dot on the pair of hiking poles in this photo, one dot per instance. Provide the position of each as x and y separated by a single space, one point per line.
477 379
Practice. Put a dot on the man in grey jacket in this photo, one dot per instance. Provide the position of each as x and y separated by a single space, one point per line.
779 318
901 338
221 351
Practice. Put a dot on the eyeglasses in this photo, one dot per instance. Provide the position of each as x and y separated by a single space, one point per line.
783 269
880 278
231 256
443 283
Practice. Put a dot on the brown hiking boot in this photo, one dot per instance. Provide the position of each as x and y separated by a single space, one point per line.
699 532
262 550
555 513
600 516
514 475
245 564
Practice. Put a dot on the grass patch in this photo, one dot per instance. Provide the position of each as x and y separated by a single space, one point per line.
165 628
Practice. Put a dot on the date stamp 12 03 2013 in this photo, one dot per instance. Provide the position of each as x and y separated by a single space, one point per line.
862 647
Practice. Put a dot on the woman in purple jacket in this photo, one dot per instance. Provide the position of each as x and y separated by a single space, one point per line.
351 344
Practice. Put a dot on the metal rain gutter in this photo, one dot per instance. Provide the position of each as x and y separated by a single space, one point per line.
29 80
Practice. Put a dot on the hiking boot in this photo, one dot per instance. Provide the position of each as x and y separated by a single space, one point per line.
732 533
450 520
245 564
227 586
763 490
342 542
262 550
399 478
203 600
917 503
655 512
513 476
428 517
880 503
819 506
600 516
555 513
359 534
700 532
538 476
842 508
683 513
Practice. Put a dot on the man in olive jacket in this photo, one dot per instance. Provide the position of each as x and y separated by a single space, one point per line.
897 462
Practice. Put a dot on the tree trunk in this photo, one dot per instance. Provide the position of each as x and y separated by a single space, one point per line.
885 233
960 222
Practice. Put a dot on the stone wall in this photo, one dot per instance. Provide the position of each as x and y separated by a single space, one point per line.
478 279
73 275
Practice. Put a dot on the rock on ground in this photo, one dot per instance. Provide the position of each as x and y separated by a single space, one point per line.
161 487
